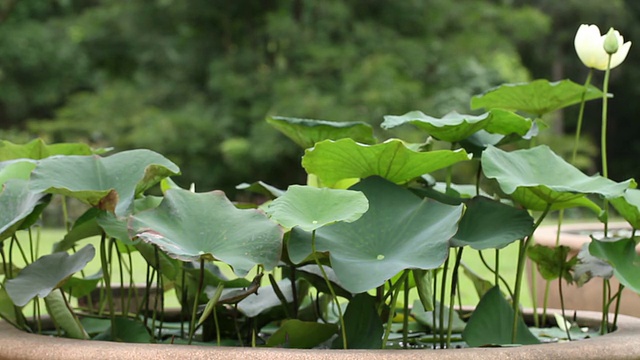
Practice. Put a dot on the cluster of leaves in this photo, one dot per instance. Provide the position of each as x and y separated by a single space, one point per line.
367 220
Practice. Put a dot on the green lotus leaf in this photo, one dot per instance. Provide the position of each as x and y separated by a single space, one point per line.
628 206
332 161
399 231
537 97
46 274
492 322
307 132
489 224
537 177
623 258
455 127
311 208
298 334
37 149
109 183
188 226
17 202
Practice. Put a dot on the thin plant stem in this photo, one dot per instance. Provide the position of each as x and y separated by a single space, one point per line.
14 238
496 273
618 300
534 296
605 307
567 328
194 311
217 325
122 299
433 313
405 315
333 294
454 285
395 289
107 282
442 297
522 256
603 142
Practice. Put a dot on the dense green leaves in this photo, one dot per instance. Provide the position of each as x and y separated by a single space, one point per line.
537 177
455 127
622 255
188 226
492 321
306 132
17 202
488 224
399 231
311 208
628 206
363 325
109 183
552 263
393 160
537 97
46 274
37 149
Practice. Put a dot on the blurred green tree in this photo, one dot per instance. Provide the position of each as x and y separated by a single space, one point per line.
195 79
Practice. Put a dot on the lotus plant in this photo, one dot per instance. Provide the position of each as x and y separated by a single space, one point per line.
368 253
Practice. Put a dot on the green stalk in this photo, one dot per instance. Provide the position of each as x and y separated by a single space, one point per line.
107 282
442 297
562 306
395 289
194 311
405 315
433 313
333 293
605 173
454 285
522 256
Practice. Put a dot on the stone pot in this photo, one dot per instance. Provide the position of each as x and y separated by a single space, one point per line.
621 344
589 296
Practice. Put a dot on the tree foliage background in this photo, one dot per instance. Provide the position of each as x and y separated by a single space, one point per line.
195 79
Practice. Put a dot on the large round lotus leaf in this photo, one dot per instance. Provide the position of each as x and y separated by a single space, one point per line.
628 206
188 226
538 177
110 183
47 273
455 127
311 208
332 161
307 132
489 224
17 202
537 97
399 231
37 150
623 258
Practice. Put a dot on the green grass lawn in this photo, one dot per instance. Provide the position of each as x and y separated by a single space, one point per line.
471 259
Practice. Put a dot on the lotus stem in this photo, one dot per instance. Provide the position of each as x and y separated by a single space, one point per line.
333 294
194 311
395 289
562 306
442 297
522 257
454 285
405 314
107 282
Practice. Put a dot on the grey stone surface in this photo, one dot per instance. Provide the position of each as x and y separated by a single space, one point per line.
15 344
